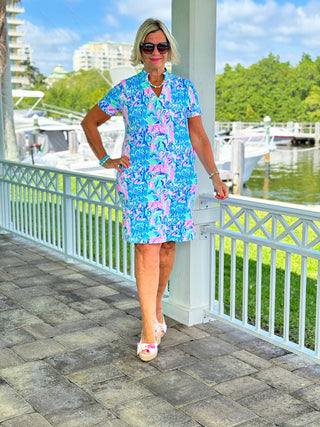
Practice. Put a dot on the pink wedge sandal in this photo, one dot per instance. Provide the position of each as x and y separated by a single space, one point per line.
147 352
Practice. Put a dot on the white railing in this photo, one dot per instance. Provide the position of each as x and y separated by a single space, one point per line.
78 215
265 277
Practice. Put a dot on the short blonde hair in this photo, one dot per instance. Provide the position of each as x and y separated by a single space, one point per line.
151 25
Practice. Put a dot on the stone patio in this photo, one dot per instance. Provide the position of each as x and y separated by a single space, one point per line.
68 337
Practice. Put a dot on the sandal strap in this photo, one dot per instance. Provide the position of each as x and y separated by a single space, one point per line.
150 348
162 327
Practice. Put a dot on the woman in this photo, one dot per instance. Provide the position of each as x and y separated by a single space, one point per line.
156 177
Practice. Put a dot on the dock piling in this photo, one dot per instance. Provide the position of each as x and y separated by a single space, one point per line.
237 166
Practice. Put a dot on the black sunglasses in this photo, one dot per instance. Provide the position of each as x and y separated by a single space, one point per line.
148 48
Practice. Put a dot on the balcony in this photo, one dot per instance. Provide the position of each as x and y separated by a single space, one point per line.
15 21
20 56
17 45
19 80
14 9
18 68
15 33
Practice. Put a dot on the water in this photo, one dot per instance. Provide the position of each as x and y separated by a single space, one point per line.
294 176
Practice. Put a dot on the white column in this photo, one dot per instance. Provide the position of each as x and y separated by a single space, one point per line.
194 27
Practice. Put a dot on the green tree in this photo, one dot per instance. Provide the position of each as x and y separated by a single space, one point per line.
251 115
79 91
269 87
36 79
312 105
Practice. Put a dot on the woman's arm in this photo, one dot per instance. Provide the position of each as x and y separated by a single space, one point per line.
95 118
201 144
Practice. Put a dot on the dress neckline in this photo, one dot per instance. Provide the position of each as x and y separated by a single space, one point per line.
147 83
146 75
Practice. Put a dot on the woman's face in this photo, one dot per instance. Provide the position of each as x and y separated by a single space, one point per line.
155 60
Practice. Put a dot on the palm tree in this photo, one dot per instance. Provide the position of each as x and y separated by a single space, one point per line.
10 142
32 73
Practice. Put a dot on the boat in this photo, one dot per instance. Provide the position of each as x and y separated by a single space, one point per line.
253 152
277 135
60 144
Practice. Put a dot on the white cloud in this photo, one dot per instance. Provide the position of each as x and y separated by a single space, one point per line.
230 11
244 29
112 21
248 31
239 46
50 46
117 36
140 9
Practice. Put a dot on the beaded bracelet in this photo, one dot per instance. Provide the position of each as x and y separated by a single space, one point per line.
213 174
102 161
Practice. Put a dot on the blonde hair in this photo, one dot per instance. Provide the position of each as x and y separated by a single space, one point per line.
151 25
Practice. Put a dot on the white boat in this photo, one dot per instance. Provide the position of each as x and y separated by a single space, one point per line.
278 135
253 152
59 144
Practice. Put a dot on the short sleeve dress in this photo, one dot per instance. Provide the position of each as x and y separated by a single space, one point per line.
157 191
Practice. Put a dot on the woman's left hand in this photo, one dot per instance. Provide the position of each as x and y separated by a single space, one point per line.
118 164
221 189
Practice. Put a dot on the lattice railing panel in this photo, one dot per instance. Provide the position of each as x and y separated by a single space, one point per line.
76 214
281 229
24 175
97 191
265 262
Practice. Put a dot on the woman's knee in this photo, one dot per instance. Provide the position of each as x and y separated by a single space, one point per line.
147 252
168 246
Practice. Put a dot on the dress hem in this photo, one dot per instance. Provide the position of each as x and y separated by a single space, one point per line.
157 241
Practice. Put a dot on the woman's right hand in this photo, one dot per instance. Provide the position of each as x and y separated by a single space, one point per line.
221 189
118 164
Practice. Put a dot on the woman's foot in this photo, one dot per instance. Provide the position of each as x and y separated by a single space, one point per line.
147 351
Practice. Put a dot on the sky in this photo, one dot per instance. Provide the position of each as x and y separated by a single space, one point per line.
247 30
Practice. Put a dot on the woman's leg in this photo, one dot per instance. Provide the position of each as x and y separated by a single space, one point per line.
167 255
147 261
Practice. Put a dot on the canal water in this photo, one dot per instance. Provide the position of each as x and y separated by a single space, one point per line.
294 176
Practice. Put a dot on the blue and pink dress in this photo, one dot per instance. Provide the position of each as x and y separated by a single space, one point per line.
157 191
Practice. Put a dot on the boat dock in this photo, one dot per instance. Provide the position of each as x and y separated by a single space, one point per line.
306 139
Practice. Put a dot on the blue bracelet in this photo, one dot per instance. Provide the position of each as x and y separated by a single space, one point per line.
102 161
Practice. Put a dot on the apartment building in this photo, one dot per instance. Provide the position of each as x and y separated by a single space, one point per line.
19 52
102 56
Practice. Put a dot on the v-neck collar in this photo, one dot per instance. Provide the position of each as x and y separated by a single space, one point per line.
146 82
145 75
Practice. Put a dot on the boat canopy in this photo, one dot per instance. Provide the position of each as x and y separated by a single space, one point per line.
21 93
121 72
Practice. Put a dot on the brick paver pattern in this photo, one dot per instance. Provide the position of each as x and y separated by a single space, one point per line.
68 335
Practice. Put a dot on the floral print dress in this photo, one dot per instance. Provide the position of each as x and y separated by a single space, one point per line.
157 191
